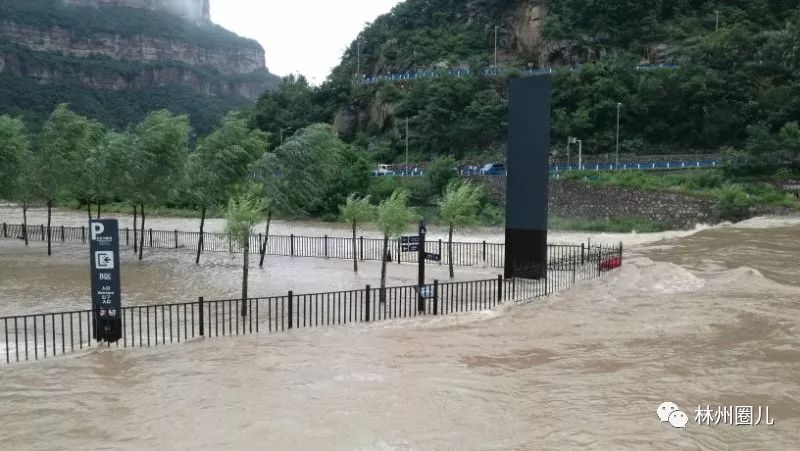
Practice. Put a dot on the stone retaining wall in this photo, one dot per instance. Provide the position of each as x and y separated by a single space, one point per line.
580 200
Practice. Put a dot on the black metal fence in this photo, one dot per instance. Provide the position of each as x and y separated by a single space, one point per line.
43 335
370 249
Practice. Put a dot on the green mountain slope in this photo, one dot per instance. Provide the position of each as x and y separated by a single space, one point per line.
731 84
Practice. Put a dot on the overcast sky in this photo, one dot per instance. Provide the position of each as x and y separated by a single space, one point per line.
306 36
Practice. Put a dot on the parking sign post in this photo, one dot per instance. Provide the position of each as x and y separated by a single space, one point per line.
105 274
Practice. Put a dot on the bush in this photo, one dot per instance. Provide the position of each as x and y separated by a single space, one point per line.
733 203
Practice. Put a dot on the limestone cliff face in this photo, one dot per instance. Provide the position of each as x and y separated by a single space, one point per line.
72 43
243 60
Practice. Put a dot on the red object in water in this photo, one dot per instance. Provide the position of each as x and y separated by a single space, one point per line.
611 264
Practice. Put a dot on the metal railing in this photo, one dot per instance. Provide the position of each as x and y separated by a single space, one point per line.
329 247
43 335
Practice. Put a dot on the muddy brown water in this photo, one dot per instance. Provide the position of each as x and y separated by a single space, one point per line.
709 318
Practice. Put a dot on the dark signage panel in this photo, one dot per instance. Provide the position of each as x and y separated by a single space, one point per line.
410 247
433 257
106 294
410 240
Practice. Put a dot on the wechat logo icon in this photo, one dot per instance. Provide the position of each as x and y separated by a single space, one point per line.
668 412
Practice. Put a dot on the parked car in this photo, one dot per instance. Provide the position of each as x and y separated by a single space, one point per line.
494 169
383 169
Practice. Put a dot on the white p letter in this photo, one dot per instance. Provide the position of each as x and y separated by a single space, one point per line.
97 229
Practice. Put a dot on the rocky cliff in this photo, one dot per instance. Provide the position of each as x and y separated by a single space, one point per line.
128 45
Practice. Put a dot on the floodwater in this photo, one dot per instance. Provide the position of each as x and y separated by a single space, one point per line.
709 318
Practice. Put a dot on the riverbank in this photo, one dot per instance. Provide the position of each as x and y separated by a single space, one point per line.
66 217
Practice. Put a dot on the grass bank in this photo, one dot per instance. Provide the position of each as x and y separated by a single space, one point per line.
735 193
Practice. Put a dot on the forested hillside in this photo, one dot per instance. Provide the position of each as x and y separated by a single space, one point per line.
731 83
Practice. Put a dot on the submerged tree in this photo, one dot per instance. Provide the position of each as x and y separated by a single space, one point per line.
357 210
61 141
14 145
156 161
242 216
458 207
222 161
296 176
394 216
99 169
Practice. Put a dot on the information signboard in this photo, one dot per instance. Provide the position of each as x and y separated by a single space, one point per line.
105 278
433 257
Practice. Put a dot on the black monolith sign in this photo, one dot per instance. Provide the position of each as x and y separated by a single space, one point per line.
528 177
106 295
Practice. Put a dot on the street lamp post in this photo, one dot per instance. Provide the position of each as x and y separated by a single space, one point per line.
619 106
717 27
405 173
580 155
570 140
495 45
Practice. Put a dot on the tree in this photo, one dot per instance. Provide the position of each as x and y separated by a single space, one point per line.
222 160
394 216
458 207
14 146
25 189
156 161
242 216
295 178
98 170
441 171
357 210
60 143
286 110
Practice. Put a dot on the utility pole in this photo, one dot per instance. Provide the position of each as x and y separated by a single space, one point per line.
616 167
496 28
717 28
405 173
580 155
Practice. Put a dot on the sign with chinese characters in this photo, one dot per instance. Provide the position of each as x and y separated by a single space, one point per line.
410 247
410 240
105 278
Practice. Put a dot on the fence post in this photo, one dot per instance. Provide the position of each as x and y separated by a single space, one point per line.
42 226
583 253
83 234
151 237
127 237
176 239
368 304
326 246
291 307
435 297
361 251
5 231
620 253
202 324
62 234
260 237
292 245
499 289
440 252
399 251
484 251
